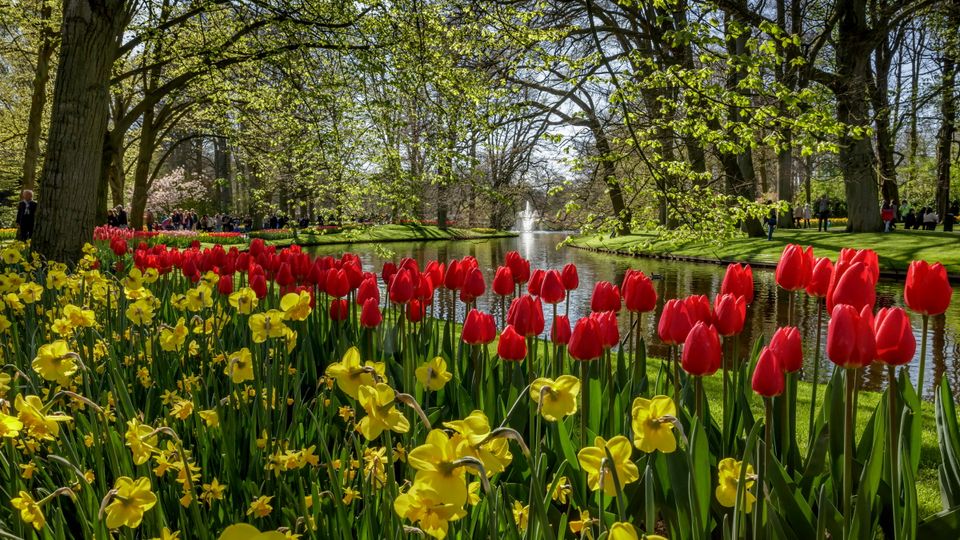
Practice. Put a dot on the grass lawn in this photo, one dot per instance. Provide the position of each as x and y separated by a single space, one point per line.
895 249
391 233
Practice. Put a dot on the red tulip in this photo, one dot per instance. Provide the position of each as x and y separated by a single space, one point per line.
416 310
389 269
794 267
473 286
503 282
119 247
259 285
698 307
639 294
820 278
606 297
729 314
867 256
674 323
526 315
571 280
894 336
560 333
852 284
928 290
479 328
585 341
738 281
454 277
257 246
536 281
609 329
370 316
519 267
339 309
425 289
435 270
368 289
552 290
225 285
768 376
701 350
512 346
337 284
788 347
850 339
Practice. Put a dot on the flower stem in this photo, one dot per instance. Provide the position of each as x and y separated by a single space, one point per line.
851 389
894 435
816 374
923 356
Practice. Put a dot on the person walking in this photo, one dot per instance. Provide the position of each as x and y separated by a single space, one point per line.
771 221
887 214
806 215
26 214
797 216
823 213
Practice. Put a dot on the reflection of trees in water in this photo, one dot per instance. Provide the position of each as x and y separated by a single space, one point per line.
939 352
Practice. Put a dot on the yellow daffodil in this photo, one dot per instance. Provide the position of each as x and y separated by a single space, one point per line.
351 375
131 499
11 255
582 527
182 409
10 426
242 531
79 316
140 312
599 468
622 531
39 424
474 431
30 511
260 507
435 462
31 292
56 279
244 300
349 494
427 508
4 323
521 515
213 491
296 306
172 339
55 362
133 280
378 401
266 325
433 375
556 398
210 418
151 275
563 490
199 297
652 425
728 478
375 464
142 441
167 534
239 366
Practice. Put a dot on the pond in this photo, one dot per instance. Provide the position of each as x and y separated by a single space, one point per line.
672 279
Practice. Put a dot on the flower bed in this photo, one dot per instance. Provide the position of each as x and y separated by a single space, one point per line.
216 391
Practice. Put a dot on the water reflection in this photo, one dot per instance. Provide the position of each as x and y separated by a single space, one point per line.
672 279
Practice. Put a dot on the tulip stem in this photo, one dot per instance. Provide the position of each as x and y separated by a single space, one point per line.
894 435
765 466
726 409
585 412
816 375
851 391
698 389
923 356
676 375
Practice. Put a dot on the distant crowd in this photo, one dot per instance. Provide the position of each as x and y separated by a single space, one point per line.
188 220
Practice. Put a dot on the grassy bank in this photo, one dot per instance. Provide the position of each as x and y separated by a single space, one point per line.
895 249
389 233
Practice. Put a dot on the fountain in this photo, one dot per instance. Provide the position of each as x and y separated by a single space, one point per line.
527 218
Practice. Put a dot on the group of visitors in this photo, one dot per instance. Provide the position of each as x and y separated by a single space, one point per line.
187 220
927 217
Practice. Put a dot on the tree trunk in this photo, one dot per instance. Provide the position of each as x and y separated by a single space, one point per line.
853 51
141 172
222 172
948 113
609 172
38 99
884 132
78 122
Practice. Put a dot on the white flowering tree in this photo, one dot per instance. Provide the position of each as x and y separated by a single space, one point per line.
176 190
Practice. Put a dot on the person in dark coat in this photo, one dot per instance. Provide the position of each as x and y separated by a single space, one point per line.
26 214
